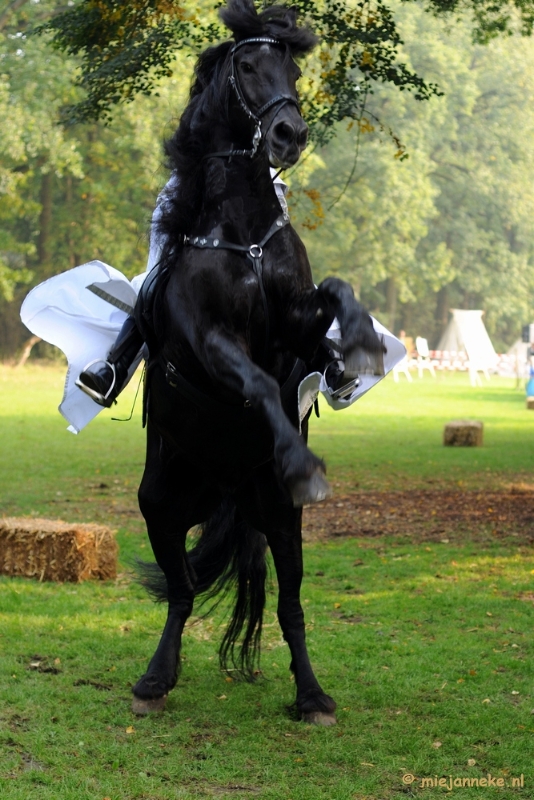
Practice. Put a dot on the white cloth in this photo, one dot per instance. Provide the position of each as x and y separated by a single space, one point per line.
61 311
316 383
84 326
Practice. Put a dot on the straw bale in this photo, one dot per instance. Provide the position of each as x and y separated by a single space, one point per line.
52 550
463 433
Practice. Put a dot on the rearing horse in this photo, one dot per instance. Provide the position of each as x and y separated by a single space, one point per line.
237 323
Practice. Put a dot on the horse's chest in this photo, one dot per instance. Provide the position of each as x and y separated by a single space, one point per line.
231 294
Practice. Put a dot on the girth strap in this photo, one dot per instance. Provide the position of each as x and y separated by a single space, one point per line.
207 403
253 251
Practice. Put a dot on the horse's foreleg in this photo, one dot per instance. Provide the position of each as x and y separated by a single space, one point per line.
301 471
362 348
312 703
310 315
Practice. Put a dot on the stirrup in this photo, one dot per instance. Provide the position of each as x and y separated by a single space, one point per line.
98 397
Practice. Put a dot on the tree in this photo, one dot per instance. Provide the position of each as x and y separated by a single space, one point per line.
451 225
68 194
32 149
126 46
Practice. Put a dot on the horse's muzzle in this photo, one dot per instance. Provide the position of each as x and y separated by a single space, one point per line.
286 141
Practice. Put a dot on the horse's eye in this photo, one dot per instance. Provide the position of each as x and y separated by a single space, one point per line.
246 67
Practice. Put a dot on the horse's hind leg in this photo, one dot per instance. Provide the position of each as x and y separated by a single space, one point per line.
168 497
312 703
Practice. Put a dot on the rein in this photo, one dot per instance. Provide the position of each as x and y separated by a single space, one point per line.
255 117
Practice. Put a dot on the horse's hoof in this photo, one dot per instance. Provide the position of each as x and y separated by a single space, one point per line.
311 490
319 718
142 707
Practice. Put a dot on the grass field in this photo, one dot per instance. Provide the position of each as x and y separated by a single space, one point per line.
426 646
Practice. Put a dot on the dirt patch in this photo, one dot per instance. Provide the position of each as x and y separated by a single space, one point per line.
423 515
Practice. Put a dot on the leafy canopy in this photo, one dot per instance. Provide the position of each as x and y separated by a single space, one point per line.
127 46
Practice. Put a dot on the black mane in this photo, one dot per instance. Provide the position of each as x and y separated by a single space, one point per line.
241 18
189 144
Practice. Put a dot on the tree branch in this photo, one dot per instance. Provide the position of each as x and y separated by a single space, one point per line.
7 12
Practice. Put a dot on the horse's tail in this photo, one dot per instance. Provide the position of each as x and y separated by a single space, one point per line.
229 554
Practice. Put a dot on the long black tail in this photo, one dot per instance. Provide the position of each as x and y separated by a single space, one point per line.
229 555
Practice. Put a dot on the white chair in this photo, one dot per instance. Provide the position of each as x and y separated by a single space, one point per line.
474 370
423 357
402 366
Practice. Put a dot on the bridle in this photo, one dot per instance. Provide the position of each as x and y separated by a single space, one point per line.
233 84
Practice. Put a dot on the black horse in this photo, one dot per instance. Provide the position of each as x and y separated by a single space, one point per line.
236 323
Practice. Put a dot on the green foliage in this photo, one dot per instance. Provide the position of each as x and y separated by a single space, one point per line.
125 48
443 220
69 195
32 145
455 217
492 18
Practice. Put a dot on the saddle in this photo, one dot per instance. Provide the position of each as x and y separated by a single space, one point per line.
147 305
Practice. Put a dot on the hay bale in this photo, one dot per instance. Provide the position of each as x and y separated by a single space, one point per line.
463 433
52 550
530 403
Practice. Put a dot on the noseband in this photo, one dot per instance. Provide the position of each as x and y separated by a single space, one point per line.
233 83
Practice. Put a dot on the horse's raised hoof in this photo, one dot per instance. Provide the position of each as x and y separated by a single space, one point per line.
311 490
319 718
142 707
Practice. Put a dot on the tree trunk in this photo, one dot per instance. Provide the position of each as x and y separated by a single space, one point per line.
408 319
70 242
27 350
7 12
441 315
45 220
391 302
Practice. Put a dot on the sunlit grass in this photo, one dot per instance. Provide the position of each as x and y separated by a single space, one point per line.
419 645
426 647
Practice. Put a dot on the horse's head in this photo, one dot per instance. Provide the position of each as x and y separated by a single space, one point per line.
263 77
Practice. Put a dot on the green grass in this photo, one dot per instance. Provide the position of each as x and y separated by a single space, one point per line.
393 436
412 639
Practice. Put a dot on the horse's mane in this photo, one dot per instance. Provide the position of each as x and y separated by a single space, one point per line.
278 21
187 147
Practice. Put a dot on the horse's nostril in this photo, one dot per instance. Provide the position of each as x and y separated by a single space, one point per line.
302 138
284 131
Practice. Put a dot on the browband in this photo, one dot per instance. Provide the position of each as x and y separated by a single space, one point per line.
255 40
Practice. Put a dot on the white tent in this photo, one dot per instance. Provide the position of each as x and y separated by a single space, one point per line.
466 333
